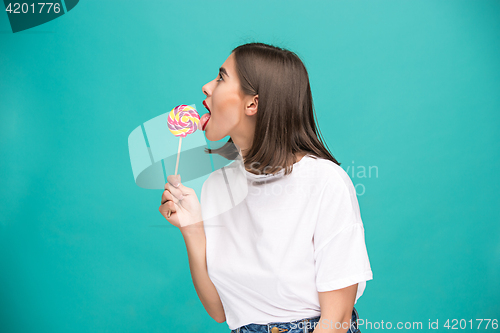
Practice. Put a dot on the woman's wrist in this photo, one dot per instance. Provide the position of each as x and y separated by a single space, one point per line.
193 229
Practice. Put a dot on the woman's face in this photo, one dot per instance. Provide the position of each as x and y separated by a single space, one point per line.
228 107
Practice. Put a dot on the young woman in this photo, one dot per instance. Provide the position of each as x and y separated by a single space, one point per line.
291 256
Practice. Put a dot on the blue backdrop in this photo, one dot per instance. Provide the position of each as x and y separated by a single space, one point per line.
407 95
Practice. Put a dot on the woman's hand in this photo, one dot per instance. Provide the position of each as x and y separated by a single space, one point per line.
180 204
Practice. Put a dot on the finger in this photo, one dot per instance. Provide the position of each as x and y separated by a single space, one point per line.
171 207
175 180
176 192
167 196
168 206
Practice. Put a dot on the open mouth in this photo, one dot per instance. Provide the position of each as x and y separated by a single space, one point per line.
206 106
206 117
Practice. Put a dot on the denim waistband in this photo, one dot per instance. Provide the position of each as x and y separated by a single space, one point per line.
305 325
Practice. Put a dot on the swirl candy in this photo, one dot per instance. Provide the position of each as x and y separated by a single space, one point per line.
183 120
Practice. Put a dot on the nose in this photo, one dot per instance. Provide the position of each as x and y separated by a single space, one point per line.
206 89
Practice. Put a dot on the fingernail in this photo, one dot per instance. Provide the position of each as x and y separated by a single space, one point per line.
176 185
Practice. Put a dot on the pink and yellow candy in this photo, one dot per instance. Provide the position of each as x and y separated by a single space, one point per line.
183 120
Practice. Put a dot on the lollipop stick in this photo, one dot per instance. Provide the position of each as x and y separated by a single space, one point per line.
178 154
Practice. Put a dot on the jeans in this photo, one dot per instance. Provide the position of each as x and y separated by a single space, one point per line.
305 325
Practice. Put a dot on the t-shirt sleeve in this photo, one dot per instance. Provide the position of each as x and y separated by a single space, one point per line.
341 259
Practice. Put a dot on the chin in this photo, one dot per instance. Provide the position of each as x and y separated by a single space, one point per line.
212 135
209 138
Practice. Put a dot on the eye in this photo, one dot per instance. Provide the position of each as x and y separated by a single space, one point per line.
220 77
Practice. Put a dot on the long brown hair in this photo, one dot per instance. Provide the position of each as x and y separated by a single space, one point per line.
285 118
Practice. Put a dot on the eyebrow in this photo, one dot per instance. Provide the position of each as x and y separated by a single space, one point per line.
223 71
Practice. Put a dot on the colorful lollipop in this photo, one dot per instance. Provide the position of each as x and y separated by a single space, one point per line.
181 121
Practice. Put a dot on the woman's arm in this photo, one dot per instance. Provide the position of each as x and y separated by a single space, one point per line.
195 239
336 310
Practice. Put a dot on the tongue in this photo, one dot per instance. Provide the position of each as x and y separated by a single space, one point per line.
204 120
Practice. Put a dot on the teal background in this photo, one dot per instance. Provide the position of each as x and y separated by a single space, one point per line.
411 88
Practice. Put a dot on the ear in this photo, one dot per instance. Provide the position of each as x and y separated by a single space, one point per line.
252 105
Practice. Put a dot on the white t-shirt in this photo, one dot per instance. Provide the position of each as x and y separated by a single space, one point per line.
275 241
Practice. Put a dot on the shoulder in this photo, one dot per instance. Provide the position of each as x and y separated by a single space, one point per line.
337 186
328 172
